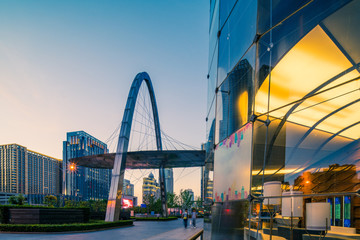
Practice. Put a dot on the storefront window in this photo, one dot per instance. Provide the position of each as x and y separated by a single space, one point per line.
306 135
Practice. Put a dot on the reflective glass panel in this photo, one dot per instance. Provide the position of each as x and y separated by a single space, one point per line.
212 8
212 81
213 39
314 64
234 100
344 28
236 36
210 123
225 9
226 217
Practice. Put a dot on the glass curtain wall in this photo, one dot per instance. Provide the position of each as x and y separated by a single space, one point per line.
207 171
232 137
286 119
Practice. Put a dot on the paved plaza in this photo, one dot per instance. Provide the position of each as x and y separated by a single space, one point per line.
140 230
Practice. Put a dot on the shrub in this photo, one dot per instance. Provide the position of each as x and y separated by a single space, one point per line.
155 218
17 200
50 200
62 227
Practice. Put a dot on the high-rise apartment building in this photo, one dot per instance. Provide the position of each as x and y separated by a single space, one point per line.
28 172
150 187
44 174
12 169
82 182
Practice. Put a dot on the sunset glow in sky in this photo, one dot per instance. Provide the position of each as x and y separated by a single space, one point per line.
68 66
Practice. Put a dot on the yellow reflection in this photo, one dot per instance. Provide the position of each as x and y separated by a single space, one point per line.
111 203
243 106
278 172
354 131
312 61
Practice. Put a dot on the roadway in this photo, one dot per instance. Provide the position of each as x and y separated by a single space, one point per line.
140 230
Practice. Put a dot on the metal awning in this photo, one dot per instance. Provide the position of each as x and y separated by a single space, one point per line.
146 159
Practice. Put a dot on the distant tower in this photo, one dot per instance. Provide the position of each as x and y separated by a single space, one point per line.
169 180
209 190
150 187
191 193
128 188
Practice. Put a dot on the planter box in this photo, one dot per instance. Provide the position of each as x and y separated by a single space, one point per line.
97 215
47 216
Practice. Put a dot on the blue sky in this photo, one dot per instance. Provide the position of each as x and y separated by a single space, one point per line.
68 66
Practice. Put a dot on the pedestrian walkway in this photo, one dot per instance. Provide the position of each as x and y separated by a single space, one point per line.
179 234
140 230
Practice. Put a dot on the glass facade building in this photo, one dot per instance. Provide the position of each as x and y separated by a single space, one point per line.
283 106
128 188
28 172
82 182
169 180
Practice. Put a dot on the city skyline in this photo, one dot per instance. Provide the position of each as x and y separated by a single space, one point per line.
58 58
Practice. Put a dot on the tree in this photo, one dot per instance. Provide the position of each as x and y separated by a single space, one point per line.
198 202
185 198
50 200
83 204
172 200
149 200
13 200
70 204
17 200
152 204
98 206
157 206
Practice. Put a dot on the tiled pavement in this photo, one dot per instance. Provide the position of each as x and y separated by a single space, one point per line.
140 230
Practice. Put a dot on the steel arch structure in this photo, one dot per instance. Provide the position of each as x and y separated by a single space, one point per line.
114 202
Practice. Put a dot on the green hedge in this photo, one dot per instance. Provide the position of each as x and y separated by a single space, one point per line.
5 213
154 218
63 227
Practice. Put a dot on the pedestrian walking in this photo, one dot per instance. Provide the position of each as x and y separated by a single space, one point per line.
193 218
185 217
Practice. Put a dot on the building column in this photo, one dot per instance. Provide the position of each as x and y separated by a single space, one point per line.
113 208
163 192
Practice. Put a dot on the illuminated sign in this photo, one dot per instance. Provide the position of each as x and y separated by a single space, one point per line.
127 203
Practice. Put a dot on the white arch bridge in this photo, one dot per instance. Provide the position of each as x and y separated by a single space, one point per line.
122 159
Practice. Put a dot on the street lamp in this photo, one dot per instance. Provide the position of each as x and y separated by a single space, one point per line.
72 167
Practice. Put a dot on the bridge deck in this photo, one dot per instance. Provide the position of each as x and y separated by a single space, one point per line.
146 159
